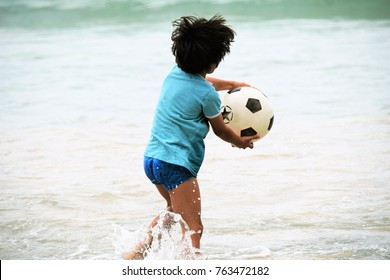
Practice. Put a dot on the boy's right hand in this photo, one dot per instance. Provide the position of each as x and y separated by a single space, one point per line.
247 141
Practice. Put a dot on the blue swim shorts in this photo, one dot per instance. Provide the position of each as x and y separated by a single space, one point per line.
166 174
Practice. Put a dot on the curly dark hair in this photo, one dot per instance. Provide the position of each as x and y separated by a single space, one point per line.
198 42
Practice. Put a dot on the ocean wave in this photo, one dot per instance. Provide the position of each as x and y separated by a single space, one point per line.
61 13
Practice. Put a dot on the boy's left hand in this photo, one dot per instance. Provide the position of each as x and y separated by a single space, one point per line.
237 84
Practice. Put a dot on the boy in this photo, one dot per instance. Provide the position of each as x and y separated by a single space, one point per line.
188 104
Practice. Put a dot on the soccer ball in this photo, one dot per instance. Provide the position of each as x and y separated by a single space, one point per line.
247 111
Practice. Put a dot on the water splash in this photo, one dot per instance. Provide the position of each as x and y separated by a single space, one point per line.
171 240
124 240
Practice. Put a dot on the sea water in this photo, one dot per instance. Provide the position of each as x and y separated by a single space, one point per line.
79 81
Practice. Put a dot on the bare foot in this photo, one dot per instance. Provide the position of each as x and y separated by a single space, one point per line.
135 255
139 253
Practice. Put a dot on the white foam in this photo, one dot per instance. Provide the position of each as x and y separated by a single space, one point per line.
169 241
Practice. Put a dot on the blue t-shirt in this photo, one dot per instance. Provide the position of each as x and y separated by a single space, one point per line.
180 122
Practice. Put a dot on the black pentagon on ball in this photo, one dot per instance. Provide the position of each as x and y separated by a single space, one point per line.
271 123
234 90
253 105
248 132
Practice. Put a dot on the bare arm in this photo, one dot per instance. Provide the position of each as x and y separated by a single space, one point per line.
227 134
220 84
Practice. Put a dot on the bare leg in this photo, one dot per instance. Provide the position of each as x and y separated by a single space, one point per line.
140 249
185 201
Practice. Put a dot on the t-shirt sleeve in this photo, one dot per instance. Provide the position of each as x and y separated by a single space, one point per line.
211 105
